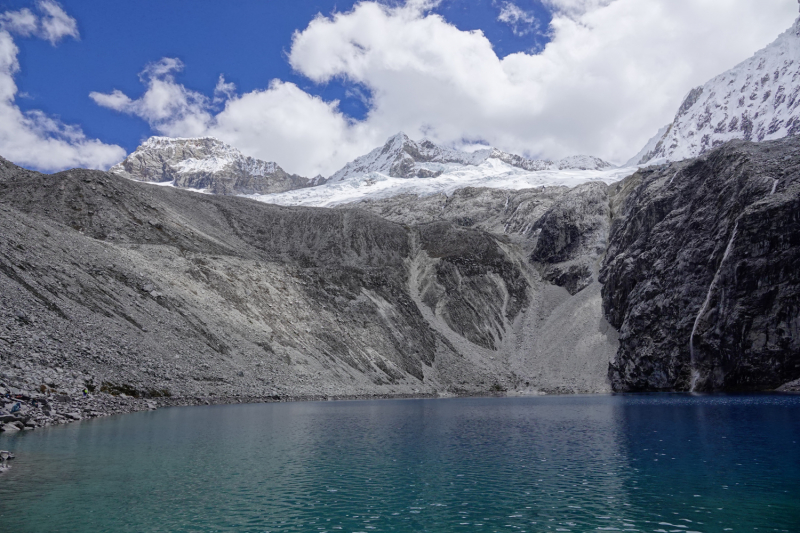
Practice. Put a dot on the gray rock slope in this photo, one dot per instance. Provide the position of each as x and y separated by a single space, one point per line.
702 274
152 291
206 164
128 287
705 249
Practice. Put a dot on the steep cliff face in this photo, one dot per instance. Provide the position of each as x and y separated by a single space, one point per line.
555 337
563 231
206 164
573 235
701 273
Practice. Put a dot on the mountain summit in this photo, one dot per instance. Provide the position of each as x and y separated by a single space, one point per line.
401 157
206 163
757 100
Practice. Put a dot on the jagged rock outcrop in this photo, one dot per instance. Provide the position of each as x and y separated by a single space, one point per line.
563 231
209 165
477 289
573 235
756 100
701 274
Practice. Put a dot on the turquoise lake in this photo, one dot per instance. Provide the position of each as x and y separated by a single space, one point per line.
655 463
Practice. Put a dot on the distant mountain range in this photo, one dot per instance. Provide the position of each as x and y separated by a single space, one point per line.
209 165
758 100
402 157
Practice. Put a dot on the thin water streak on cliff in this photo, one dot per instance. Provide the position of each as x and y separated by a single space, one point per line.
695 372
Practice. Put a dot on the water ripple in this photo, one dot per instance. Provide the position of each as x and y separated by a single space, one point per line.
650 463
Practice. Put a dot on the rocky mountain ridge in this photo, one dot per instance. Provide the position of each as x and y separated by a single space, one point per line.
401 157
206 164
156 290
757 100
209 165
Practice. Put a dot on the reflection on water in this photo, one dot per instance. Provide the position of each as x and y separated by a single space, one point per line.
615 463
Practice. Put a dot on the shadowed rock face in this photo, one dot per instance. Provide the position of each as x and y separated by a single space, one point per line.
477 286
573 235
701 274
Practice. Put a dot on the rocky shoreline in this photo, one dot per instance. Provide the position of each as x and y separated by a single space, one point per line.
40 410
26 410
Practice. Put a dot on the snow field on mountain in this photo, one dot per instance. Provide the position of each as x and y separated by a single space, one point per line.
757 100
492 173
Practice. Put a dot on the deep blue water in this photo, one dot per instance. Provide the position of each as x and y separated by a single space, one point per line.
663 463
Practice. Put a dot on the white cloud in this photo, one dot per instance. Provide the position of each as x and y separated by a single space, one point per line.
281 123
22 22
56 24
53 25
520 21
575 8
170 108
614 72
34 139
223 90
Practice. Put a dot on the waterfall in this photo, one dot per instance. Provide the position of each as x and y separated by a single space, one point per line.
774 186
695 373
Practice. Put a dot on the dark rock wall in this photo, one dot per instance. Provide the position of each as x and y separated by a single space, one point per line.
573 234
478 288
702 272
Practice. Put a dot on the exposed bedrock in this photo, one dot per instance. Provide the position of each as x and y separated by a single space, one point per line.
127 287
573 234
144 290
208 164
701 275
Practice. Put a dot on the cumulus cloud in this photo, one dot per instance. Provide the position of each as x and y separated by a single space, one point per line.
575 8
56 24
282 122
520 21
33 138
223 90
614 72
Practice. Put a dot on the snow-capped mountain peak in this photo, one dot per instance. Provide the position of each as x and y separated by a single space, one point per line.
386 171
401 157
208 164
758 99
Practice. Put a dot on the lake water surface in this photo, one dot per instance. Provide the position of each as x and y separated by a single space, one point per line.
656 463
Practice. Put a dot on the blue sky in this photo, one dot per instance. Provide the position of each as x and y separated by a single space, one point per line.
246 40
506 87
